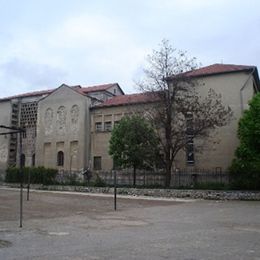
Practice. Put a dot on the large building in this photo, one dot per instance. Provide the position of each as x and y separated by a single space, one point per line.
69 127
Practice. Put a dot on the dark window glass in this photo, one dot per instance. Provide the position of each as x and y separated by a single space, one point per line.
60 158
97 162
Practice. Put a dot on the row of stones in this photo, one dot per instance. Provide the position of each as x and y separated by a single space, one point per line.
162 193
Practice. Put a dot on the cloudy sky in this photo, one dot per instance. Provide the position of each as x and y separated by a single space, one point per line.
44 43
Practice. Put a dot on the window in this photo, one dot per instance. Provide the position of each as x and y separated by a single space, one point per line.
190 152
22 160
116 123
108 126
189 123
97 162
33 159
98 126
60 158
24 134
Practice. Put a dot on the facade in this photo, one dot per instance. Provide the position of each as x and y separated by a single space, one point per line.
69 127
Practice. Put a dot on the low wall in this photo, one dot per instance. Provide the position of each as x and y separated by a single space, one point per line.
163 193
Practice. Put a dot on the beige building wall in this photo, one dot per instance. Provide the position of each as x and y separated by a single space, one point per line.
63 126
5 119
217 152
100 135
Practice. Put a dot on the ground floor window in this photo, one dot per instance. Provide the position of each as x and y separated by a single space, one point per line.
97 163
60 158
22 160
33 159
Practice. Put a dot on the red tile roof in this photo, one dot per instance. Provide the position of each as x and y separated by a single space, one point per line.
137 98
82 90
97 87
218 69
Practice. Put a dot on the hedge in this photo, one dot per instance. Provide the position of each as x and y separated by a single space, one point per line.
38 175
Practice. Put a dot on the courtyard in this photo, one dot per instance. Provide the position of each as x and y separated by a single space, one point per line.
60 225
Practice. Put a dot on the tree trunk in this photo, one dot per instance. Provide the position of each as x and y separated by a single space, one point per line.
168 174
134 176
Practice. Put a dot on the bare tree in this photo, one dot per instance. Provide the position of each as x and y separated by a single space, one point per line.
179 113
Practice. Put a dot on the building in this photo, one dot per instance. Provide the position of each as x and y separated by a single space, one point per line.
69 127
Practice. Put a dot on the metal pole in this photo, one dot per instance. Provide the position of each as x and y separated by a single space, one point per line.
21 181
115 191
28 185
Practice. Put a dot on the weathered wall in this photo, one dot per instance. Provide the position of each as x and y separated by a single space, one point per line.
63 125
217 152
5 119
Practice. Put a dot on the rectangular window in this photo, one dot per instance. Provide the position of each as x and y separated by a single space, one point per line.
189 123
97 163
108 126
98 126
116 123
190 152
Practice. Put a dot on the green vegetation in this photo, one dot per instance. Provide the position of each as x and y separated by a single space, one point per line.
245 168
133 144
37 175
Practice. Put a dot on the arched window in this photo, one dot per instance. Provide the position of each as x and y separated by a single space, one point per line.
33 159
22 160
60 158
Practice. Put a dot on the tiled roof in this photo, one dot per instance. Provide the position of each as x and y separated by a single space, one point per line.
97 88
129 99
218 69
82 90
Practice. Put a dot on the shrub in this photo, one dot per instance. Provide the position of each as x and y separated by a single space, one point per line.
38 175
245 174
99 182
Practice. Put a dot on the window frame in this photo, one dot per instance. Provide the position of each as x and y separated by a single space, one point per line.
97 163
60 158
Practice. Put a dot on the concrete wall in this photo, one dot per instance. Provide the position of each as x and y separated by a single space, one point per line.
100 139
5 119
217 152
63 125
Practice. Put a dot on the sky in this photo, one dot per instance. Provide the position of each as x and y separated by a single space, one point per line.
45 43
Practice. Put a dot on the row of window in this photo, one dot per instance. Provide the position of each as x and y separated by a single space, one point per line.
107 127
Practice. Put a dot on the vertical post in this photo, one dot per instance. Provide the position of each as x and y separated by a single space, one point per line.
28 186
115 191
21 179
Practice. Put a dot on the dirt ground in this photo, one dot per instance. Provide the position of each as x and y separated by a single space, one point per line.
44 204
82 226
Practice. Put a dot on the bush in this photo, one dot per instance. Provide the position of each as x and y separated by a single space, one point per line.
99 182
245 174
39 175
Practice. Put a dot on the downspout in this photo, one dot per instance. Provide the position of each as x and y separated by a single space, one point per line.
243 87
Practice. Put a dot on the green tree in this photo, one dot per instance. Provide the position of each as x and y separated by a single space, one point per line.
133 144
245 168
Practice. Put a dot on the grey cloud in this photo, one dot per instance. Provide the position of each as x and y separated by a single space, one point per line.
32 74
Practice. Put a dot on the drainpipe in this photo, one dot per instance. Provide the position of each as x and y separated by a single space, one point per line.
241 90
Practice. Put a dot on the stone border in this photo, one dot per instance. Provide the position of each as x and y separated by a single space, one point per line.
161 193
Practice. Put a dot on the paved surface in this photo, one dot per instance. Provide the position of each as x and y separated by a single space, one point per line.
77 226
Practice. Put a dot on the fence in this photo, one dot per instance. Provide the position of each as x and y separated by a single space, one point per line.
180 178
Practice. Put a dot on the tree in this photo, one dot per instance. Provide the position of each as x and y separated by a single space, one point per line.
245 168
179 113
133 144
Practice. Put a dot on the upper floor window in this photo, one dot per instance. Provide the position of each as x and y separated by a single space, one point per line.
108 126
190 152
98 126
